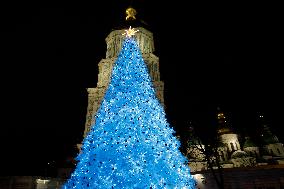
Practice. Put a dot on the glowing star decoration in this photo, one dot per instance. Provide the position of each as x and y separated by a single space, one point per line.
130 32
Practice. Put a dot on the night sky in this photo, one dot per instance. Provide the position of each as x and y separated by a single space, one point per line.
211 55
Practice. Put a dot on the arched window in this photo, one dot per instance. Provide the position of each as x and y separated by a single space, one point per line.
223 155
236 145
220 157
232 146
278 151
228 149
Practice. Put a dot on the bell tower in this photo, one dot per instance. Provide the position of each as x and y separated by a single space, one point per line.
114 42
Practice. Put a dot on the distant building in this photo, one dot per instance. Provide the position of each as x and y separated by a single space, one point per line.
253 166
257 177
30 182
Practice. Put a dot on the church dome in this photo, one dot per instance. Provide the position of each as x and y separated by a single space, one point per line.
267 136
223 125
249 143
272 139
239 154
130 19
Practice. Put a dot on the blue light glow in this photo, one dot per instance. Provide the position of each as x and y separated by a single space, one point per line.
131 144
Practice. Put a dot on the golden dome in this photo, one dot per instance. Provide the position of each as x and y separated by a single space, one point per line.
130 13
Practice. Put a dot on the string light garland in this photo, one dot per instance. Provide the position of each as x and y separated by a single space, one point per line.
131 144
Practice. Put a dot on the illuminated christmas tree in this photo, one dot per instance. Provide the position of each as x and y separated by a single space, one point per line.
131 144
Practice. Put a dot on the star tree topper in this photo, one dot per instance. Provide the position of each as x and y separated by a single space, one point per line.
130 32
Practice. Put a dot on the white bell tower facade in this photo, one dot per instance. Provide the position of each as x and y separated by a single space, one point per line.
114 43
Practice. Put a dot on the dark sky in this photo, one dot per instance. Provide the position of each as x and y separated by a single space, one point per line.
226 55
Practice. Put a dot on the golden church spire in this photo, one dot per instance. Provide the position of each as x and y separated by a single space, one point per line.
223 125
130 14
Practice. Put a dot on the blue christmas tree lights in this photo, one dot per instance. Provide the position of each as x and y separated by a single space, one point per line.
131 144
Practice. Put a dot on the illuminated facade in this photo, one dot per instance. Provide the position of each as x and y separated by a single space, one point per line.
30 182
246 161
